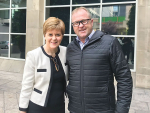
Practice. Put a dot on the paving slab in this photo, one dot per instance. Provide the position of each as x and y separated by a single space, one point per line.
4 81
13 84
1 110
131 111
142 111
142 97
1 99
10 100
12 111
138 105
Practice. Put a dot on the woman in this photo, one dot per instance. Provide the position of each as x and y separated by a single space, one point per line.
44 80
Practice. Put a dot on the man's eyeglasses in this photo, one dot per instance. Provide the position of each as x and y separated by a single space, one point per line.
56 64
85 21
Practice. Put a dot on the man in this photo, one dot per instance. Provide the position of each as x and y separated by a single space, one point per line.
94 58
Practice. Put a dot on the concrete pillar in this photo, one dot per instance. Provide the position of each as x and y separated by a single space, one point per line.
34 26
143 45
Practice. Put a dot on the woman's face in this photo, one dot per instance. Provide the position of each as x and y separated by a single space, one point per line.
53 38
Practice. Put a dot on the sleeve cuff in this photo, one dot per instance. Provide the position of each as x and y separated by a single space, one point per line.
121 109
23 109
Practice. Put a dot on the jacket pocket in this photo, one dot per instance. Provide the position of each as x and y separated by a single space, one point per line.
41 70
38 91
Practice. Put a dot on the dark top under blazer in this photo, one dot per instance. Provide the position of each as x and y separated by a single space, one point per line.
91 76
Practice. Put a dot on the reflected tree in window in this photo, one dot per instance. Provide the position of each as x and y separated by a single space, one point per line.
131 22
109 28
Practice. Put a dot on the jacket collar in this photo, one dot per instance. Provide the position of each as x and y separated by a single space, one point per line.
49 55
96 36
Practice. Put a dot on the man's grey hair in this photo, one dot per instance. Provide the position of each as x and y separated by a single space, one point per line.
79 8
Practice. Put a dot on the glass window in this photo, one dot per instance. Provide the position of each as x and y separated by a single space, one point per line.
85 1
119 19
117 0
4 21
65 41
18 3
95 14
18 21
4 3
57 2
17 46
4 45
62 13
127 45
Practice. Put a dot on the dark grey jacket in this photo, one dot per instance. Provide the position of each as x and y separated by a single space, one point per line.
91 76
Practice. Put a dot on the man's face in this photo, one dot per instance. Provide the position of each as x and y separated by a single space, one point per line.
82 31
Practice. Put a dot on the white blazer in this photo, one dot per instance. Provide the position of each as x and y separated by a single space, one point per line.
35 84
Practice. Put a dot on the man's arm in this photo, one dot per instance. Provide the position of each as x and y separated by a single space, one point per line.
123 77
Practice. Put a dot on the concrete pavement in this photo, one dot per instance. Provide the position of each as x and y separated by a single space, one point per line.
10 85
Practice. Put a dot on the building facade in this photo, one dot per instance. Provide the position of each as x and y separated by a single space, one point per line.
21 24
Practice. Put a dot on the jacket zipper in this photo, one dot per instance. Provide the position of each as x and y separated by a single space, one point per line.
81 88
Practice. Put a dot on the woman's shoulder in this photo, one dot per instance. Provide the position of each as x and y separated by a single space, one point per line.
63 48
35 51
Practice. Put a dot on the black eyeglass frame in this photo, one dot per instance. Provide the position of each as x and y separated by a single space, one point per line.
86 20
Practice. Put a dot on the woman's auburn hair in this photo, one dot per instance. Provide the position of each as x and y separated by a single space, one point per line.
53 23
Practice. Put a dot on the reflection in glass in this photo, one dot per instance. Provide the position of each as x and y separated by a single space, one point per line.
119 19
18 21
57 2
127 45
4 3
85 1
117 0
4 45
4 21
62 13
18 3
95 14
17 49
65 41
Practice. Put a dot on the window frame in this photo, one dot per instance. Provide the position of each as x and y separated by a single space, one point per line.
10 33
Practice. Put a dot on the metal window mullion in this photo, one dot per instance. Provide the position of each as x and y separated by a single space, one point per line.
73 5
44 19
4 8
66 34
57 6
4 33
70 28
18 33
95 4
19 8
100 19
124 36
118 3
135 39
9 29
73 35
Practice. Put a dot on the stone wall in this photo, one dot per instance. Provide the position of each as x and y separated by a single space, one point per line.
143 45
10 65
35 20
